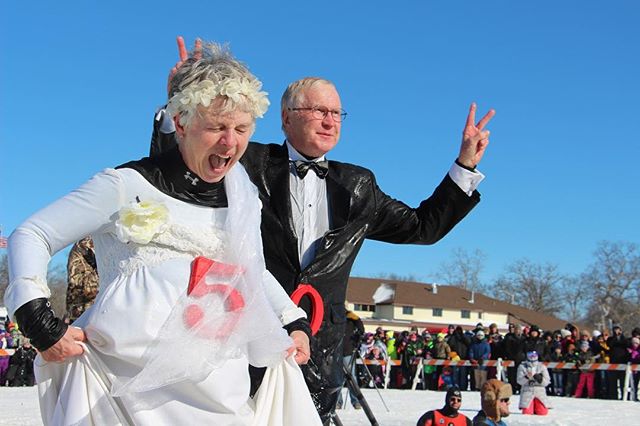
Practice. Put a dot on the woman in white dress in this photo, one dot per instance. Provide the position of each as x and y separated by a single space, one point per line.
185 301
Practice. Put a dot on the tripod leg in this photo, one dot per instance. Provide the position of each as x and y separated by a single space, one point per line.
353 386
335 419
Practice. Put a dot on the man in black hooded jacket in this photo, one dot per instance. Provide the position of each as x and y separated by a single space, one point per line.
447 415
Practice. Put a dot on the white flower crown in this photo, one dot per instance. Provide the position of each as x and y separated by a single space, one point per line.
203 92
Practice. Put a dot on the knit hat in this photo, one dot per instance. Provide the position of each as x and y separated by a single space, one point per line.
584 344
596 334
565 333
532 356
491 393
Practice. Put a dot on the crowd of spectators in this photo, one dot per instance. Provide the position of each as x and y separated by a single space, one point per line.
16 357
486 343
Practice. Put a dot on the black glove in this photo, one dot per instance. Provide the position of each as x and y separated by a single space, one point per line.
538 377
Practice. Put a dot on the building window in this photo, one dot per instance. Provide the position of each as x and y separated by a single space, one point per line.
364 308
465 314
479 315
437 312
407 310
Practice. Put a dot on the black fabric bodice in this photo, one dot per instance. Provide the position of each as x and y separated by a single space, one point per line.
169 173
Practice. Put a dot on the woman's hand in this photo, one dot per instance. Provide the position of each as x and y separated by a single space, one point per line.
66 347
300 347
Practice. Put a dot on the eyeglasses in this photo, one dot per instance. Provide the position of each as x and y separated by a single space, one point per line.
320 112
455 399
505 400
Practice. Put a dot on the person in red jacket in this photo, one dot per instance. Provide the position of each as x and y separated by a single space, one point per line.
447 415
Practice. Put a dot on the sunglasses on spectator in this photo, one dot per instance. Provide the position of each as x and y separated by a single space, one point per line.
455 399
504 400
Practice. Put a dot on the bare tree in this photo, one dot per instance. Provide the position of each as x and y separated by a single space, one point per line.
614 279
578 297
56 279
464 269
531 285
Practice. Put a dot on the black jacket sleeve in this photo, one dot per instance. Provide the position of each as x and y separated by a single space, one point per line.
39 323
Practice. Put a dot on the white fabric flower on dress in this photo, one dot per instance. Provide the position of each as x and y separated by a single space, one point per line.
141 221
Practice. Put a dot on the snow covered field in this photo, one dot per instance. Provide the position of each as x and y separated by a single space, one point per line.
19 406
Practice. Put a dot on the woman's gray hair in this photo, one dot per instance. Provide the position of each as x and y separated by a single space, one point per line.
210 74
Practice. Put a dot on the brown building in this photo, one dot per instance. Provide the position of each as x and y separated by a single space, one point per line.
402 305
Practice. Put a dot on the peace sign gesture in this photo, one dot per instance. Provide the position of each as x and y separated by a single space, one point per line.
184 55
474 138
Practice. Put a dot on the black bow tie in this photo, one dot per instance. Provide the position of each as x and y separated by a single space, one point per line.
320 167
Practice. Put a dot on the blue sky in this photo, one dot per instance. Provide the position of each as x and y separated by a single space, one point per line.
80 81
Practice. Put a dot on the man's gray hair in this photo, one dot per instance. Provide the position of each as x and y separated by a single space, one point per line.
230 80
294 95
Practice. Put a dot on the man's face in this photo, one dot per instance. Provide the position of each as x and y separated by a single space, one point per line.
213 142
455 402
310 136
503 407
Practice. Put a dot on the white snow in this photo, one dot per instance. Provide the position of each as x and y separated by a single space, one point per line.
19 406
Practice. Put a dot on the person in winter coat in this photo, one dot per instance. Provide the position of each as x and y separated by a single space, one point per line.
514 351
557 374
533 378
353 331
479 352
618 354
535 342
459 343
494 397
447 415
21 366
634 358
587 378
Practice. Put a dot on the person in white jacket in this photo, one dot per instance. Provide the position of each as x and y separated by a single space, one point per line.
533 378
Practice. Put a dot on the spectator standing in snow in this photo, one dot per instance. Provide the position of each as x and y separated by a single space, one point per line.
533 378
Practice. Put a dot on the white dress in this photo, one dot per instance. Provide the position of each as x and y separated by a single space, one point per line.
142 364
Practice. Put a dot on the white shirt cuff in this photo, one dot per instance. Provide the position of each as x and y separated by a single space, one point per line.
467 181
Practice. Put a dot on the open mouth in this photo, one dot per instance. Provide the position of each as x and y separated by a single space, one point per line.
219 161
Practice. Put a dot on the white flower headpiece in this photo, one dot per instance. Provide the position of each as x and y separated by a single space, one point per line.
203 92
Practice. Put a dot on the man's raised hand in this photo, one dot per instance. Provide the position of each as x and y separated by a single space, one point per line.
474 138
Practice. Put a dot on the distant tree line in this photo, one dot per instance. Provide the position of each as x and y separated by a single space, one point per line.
606 293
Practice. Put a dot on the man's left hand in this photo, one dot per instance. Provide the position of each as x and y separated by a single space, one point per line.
300 347
474 138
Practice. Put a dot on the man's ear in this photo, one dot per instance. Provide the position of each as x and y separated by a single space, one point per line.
285 118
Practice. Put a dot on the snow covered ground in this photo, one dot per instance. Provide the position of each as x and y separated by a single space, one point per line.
19 406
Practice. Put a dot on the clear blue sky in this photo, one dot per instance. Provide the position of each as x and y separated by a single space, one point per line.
79 82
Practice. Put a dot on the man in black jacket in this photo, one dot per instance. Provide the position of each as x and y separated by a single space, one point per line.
618 354
514 350
316 213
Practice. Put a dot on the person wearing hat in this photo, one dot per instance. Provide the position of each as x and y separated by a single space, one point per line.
494 397
634 358
479 352
533 378
535 342
447 415
587 378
